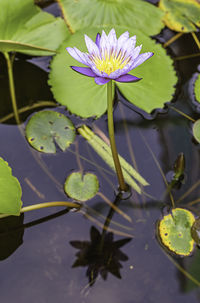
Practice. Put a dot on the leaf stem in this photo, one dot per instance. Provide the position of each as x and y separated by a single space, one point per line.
12 86
118 168
50 204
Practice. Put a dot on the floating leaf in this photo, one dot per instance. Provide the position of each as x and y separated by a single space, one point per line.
10 191
25 28
196 130
197 88
45 127
175 231
181 15
81 187
84 98
137 14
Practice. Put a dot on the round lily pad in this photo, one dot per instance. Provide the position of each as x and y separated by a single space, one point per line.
46 128
137 14
175 231
181 15
81 187
196 130
10 191
83 97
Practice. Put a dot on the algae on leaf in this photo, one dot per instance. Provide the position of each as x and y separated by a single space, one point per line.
175 231
181 15
25 28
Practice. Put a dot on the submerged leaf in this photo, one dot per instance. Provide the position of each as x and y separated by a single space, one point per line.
181 15
81 187
137 14
175 231
45 127
10 191
27 29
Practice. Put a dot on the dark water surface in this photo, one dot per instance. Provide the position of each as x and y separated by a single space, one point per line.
36 253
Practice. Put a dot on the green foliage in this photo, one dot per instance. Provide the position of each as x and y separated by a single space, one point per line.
197 88
45 127
196 130
81 187
175 231
69 87
10 191
89 13
181 15
27 29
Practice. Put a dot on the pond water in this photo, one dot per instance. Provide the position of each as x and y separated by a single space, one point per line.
51 255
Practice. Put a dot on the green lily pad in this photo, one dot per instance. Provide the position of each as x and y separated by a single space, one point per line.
45 127
196 130
10 191
81 187
175 231
181 15
197 88
25 28
84 98
137 14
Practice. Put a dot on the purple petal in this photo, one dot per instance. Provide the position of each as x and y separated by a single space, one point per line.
127 78
86 71
78 55
141 58
91 46
101 80
98 37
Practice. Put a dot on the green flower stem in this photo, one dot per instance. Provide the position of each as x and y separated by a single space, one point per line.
50 204
120 177
12 86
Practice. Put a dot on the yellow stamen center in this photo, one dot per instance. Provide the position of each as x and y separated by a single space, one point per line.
110 63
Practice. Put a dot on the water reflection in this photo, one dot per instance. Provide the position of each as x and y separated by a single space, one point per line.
101 255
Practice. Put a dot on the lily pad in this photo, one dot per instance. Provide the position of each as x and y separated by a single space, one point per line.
25 28
181 15
81 187
196 130
197 88
175 231
45 127
137 14
84 98
10 191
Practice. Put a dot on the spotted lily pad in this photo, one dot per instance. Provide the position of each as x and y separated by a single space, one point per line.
137 14
84 98
81 187
10 191
196 130
181 15
45 127
25 28
175 231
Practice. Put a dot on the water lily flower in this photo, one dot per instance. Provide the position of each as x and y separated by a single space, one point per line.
109 58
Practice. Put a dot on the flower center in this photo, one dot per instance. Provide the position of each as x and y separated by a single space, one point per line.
110 63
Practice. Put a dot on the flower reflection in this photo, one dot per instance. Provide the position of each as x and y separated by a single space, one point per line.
101 255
